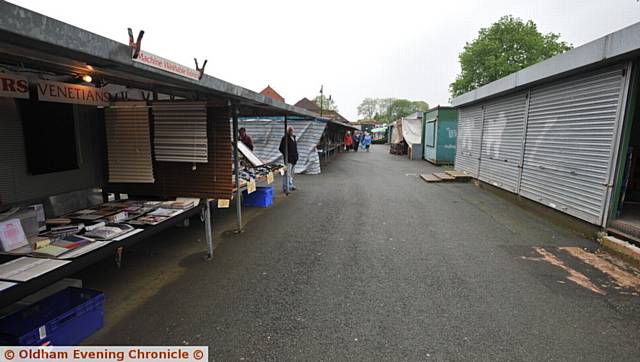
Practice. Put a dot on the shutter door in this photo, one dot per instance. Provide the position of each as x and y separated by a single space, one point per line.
129 142
180 131
503 127
571 132
468 143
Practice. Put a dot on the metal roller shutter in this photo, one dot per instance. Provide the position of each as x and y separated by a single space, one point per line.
129 142
469 136
503 128
180 131
571 132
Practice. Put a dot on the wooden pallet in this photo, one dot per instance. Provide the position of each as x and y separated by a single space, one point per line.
458 174
447 176
430 178
443 176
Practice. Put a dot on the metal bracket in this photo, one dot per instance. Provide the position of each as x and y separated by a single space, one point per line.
200 70
135 46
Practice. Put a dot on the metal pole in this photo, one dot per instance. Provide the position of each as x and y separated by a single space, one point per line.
236 165
208 228
321 99
286 156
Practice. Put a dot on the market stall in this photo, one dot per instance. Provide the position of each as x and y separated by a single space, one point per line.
332 140
104 145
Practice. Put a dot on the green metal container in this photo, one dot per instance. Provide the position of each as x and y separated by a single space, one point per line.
440 132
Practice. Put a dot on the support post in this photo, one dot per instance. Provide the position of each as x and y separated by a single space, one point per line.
236 165
208 228
286 156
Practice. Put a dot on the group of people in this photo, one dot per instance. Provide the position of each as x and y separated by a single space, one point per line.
358 140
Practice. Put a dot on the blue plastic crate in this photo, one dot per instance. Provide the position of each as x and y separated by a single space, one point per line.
61 319
261 197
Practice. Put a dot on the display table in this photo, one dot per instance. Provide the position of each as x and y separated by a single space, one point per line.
23 289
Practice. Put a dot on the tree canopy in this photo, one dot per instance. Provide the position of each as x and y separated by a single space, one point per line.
504 48
326 103
386 110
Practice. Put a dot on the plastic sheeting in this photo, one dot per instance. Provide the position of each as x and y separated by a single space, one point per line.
266 134
412 130
396 132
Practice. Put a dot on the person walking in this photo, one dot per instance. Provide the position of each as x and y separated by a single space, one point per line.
289 152
356 141
348 141
244 137
366 141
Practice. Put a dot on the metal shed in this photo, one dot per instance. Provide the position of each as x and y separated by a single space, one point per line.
552 132
439 135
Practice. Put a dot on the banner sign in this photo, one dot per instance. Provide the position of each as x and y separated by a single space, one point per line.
166 65
72 93
13 86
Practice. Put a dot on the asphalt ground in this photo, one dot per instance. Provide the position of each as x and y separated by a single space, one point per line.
367 262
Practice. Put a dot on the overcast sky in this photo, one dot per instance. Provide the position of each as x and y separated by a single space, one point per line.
357 49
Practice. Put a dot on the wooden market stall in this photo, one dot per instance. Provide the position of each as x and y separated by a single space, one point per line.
93 127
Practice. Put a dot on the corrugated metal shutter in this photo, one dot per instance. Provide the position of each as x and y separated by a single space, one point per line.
129 142
180 131
502 141
469 136
571 132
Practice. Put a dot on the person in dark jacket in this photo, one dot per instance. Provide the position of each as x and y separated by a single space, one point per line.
356 140
244 137
291 151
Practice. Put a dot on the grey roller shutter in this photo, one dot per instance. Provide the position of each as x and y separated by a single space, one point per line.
468 142
129 142
503 128
571 133
180 131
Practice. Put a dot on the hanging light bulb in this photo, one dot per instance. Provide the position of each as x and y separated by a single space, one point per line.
86 78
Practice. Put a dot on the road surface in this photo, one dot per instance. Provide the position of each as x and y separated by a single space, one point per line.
368 262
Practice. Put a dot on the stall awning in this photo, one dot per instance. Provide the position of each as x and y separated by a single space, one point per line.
32 40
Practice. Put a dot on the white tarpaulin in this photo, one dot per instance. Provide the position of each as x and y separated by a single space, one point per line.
396 132
412 130
266 134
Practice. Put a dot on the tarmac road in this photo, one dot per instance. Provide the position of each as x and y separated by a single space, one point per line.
368 262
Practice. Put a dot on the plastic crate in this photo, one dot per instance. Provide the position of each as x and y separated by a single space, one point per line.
261 197
61 319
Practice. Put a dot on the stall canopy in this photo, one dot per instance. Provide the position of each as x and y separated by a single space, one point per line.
60 54
266 134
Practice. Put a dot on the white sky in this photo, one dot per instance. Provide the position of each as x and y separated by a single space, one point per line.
357 49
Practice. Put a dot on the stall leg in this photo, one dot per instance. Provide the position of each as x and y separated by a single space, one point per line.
236 164
208 229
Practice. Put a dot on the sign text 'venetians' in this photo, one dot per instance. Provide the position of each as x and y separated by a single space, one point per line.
71 93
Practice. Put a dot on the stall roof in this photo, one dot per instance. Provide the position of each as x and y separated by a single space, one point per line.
31 39
616 46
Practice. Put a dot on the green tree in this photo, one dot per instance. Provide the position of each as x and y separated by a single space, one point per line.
368 108
326 103
404 107
386 110
504 48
